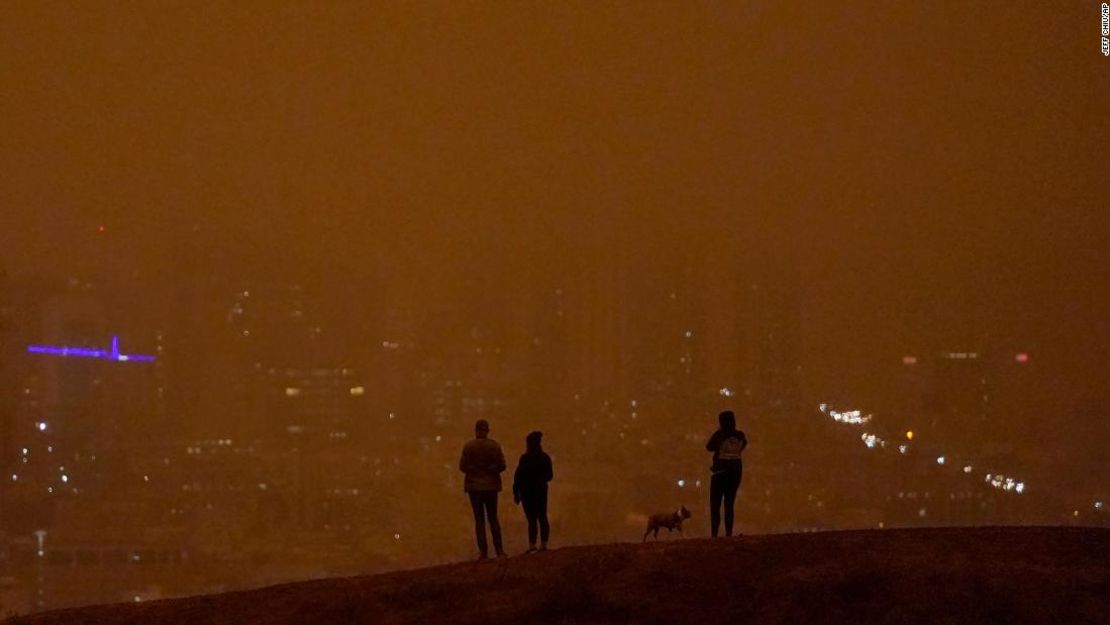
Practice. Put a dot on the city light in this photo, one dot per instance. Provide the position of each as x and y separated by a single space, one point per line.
1005 483
112 354
872 441
850 417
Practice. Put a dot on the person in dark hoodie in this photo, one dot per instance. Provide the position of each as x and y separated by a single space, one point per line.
533 472
727 443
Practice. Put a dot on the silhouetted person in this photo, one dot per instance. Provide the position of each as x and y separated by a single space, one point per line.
533 472
727 444
483 461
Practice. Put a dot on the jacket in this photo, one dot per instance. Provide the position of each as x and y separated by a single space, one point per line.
482 461
733 462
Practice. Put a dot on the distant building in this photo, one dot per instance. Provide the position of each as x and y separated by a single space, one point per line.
78 402
319 420
771 319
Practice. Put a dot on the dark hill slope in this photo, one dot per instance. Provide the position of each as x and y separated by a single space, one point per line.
951 575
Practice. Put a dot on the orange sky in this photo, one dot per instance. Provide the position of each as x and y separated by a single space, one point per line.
927 168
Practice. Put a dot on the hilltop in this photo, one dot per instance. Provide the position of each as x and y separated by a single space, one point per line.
943 575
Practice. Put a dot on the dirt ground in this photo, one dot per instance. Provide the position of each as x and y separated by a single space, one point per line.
944 575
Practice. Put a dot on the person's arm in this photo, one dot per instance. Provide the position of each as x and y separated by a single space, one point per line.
516 480
743 441
463 463
714 442
548 471
501 466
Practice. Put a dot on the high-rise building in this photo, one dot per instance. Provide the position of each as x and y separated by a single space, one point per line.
773 369
80 406
318 418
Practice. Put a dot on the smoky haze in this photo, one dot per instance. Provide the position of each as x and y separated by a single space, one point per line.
604 222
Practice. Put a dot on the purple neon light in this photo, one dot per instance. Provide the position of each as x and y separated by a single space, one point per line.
80 352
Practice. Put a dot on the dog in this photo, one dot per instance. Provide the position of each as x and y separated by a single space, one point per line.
671 521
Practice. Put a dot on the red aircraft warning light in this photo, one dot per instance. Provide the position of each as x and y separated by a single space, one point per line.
1022 357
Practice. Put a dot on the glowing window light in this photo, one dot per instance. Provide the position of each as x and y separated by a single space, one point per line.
292 391
940 460
902 449
967 468
682 483
357 391
909 435
112 353
909 360
41 426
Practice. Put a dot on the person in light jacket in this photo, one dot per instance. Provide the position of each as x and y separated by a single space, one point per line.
483 461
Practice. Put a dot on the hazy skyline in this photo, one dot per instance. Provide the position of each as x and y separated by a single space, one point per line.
924 174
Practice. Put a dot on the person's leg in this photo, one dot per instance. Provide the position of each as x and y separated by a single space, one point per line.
494 524
730 500
530 513
545 527
477 506
716 493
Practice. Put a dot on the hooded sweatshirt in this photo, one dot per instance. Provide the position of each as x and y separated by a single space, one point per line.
727 445
533 472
